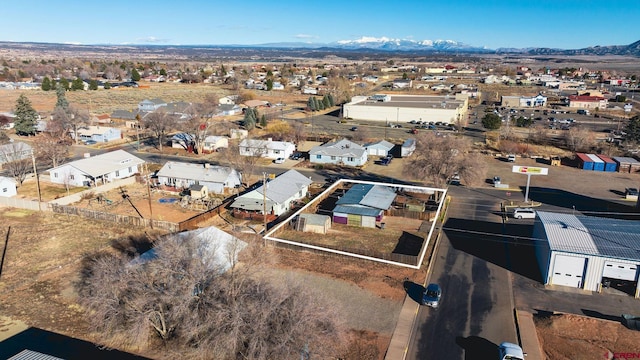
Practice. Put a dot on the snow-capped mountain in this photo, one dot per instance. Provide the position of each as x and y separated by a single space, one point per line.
384 43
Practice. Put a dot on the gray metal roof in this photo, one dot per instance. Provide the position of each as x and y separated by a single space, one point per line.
589 235
104 163
622 159
382 144
198 172
33 355
357 210
344 148
373 196
315 219
285 186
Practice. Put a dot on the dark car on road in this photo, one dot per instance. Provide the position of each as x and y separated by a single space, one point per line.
432 295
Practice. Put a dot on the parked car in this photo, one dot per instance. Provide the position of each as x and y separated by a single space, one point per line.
509 351
524 213
90 142
496 180
279 160
432 295
511 158
295 156
354 128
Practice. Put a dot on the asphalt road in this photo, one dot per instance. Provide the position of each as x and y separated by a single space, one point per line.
476 312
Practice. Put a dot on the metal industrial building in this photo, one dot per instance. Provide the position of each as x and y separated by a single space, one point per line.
588 252
396 109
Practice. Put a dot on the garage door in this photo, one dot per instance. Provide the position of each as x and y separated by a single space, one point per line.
622 271
568 271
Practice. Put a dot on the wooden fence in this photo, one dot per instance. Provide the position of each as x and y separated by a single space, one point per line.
115 218
193 222
421 215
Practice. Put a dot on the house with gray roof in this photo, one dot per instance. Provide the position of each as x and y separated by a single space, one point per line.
281 194
266 148
14 151
363 205
587 252
217 179
151 105
96 170
341 152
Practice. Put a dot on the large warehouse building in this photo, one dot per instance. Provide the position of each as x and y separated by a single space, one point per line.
588 252
397 109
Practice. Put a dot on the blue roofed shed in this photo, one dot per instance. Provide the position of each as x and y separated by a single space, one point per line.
363 205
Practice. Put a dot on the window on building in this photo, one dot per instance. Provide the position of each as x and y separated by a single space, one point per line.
130 170
333 158
351 159
55 175
5 190
318 156
71 177
117 173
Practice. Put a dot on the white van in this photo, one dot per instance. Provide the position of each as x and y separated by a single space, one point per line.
524 213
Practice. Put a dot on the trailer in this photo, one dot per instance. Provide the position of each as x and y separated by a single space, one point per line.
584 162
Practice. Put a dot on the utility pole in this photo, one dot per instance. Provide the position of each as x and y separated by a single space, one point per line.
35 173
149 194
264 200
4 251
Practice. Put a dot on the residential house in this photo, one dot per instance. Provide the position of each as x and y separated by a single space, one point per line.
363 205
277 86
8 187
281 194
228 110
228 100
213 143
182 141
341 152
97 169
97 133
14 151
379 148
588 102
124 115
217 179
266 148
370 78
151 105
402 83
101 119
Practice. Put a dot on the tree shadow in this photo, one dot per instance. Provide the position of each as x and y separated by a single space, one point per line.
408 244
477 348
414 290
60 346
132 246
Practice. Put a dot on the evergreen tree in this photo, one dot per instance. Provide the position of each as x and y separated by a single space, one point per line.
311 104
633 130
135 75
107 86
250 118
331 101
325 102
26 117
46 84
93 85
77 84
491 122
269 84
263 121
62 100
64 83
316 103
163 72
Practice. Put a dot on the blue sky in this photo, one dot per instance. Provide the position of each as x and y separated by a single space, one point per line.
568 24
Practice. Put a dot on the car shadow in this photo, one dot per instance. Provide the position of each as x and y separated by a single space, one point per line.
414 290
617 192
477 348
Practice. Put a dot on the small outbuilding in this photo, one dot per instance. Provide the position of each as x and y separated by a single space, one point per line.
627 164
8 187
588 253
314 223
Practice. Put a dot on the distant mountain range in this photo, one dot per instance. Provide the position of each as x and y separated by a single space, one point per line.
450 46
368 47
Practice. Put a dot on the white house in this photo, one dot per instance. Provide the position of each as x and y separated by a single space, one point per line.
182 141
97 133
266 148
14 151
8 187
228 100
151 105
213 143
97 169
181 175
341 152
281 194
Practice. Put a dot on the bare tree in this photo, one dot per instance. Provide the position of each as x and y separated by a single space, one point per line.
299 135
199 122
578 139
245 162
50 149
66 121
437 158
185 299
160 123
16 158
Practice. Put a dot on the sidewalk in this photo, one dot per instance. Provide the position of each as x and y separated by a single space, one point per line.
528 336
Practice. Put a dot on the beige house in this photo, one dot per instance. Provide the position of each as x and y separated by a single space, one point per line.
588 102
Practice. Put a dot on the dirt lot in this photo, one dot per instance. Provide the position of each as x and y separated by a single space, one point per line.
581 338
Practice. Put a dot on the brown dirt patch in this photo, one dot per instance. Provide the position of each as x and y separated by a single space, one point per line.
582 338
